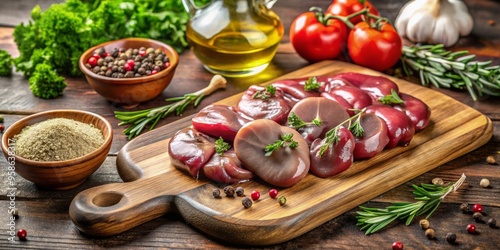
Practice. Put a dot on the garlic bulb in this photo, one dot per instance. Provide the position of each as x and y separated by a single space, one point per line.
434 21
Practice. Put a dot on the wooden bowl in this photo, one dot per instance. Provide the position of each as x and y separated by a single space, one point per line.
135 90
58 175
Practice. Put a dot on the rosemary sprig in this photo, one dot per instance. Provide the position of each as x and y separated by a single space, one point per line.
332 137
429 197
295 122
445 69
138 120
286 141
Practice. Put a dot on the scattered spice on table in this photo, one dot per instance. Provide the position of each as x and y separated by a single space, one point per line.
57 139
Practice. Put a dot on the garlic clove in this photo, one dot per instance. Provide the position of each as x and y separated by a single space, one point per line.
464 21
445 31
420 26
406 14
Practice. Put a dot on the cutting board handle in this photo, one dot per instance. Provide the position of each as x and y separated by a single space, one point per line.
113 208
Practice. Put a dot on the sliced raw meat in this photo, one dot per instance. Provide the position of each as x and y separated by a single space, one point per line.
285 166
336 158
293 90
331 82
219 121
399 126
275 107
226 169
376 86
350 97
329 112
189 150
416 109
374 138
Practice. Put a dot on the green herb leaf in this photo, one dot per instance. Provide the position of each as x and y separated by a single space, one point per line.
265 94
446 69
429 197
295 122
332 137
312 84
393 98
286 141
221 146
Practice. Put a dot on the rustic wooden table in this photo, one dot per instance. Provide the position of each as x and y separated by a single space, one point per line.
44 213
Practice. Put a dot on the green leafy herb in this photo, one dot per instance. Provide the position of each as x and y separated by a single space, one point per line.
286 141
445 69
60 34
139 119
332 137
429 197
221 146
295 122
46 83
393 98
5 63
265 94
312 84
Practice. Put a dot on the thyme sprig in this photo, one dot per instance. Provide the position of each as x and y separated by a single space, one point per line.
295 122
332 137
265 94
138 120
429 197
286 141
445 69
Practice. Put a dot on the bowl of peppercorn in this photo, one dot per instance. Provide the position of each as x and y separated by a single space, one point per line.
130 70
57 149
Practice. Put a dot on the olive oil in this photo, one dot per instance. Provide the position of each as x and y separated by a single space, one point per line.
233 39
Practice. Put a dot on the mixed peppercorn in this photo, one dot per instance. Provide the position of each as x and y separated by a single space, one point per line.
127 63
247 202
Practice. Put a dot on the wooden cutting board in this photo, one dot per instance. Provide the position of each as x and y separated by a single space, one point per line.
153 187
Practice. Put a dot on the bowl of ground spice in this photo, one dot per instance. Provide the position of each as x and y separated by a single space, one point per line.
130 70
57 149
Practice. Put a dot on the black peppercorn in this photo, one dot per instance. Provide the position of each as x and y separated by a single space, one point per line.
451 238
492 223
247 202
465 207
477 216
100 51
216 193
129 74
229 191
240 191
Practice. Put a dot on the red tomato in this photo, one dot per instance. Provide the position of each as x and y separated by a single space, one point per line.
315 40
347 7
372 48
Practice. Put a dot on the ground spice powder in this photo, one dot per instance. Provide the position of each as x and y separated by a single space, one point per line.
57 139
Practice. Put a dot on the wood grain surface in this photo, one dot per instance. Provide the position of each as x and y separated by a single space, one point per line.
153 186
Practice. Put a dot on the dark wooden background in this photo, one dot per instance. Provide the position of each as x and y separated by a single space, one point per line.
44 213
